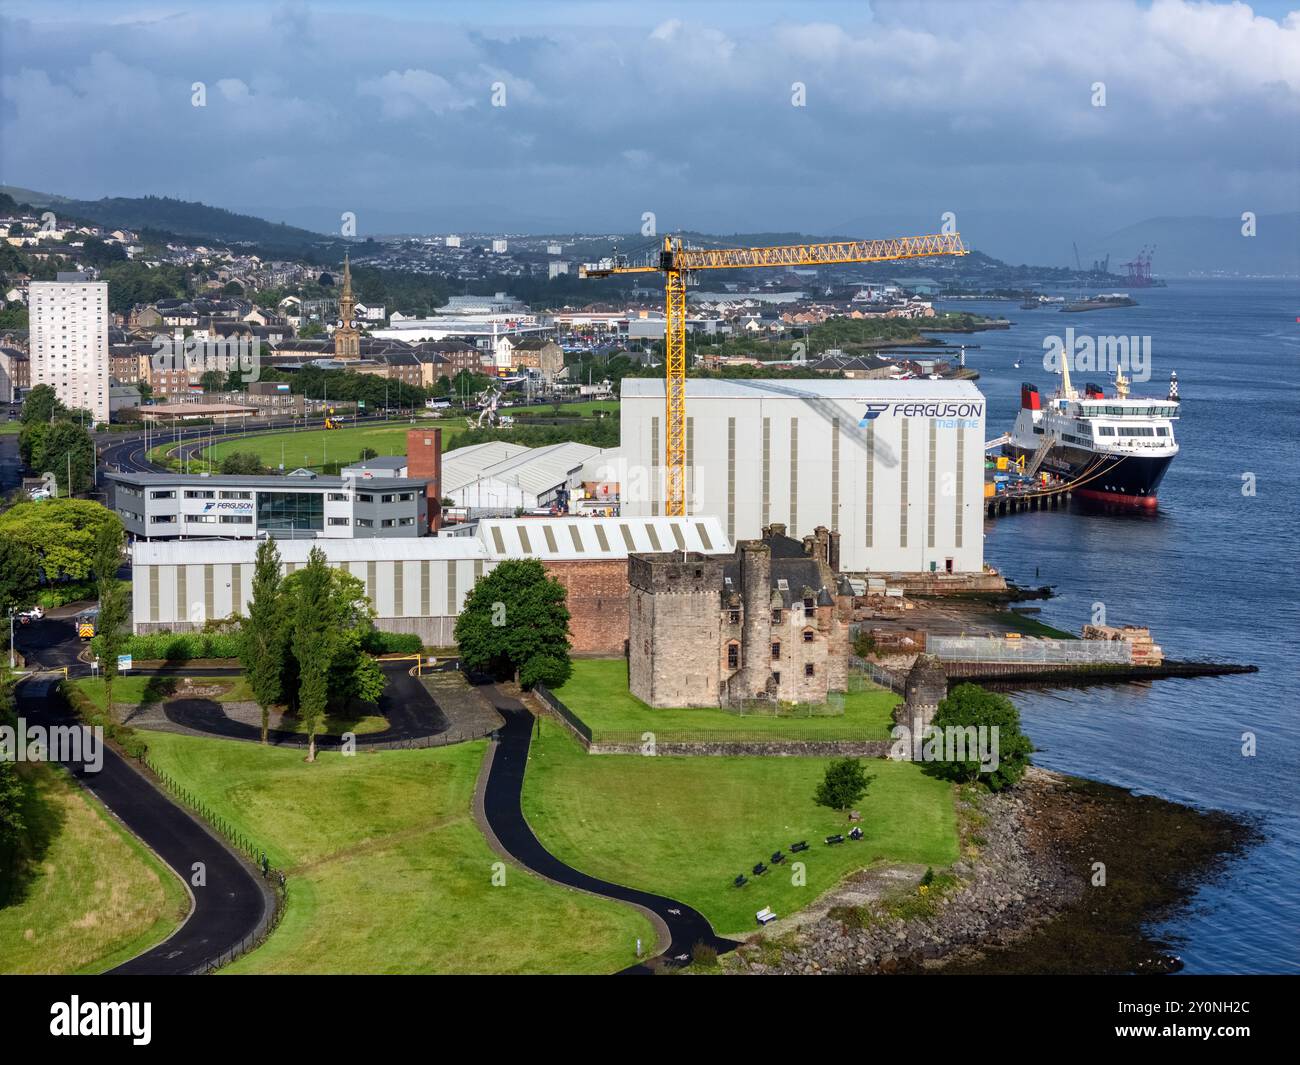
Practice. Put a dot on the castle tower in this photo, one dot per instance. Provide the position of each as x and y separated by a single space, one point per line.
751 682
926 686
674 607
347 338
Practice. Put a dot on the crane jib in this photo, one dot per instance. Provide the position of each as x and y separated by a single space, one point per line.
675 262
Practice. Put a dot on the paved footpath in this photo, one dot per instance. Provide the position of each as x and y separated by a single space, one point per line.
499 801
232 905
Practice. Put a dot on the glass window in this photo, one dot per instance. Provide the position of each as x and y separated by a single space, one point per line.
807 635
733 656
776 650
808 669
163 495
285 511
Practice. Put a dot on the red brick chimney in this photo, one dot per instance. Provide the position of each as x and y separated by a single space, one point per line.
424 462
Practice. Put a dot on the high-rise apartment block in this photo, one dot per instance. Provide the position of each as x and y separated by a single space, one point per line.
69 341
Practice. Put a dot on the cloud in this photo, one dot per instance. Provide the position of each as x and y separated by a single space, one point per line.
413 92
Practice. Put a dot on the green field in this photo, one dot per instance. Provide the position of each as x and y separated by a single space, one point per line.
585 408
597 692
316 446
387 870
94 896
685 827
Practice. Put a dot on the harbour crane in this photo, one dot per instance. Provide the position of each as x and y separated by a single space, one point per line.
677 261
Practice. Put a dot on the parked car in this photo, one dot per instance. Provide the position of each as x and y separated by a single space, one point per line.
35 614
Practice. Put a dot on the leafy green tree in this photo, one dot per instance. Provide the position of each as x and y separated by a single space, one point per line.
242 462
969 706
844 783
110 626
41 405
311 639
311 331
61 533
13 798
20 576
212 380
515 623
64 448
262 637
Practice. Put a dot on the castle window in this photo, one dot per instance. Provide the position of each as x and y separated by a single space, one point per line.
808 635
776 617
777 677
776 649
733 616
809 607
733 656
808 669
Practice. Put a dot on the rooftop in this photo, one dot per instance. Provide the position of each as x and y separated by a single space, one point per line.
801 388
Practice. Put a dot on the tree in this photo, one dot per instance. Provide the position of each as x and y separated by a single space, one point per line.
41 405
212 380
262 646
242 462
844 784
311 331
515 622
312 641
64 448
61 533
970 707
13 797
110 626
20 576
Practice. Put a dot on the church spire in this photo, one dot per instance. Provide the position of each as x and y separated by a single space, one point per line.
347 339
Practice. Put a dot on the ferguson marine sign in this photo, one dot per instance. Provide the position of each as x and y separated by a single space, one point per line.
896 467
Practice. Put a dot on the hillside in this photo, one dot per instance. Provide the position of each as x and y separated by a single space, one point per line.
182 218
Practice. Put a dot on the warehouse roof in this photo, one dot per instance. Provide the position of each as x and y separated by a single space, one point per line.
534 470
579 538
804 388
366 549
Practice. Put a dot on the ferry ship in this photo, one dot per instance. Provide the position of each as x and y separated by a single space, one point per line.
1114 448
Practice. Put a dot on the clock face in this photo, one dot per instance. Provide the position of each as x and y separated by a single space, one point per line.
353 323
339 324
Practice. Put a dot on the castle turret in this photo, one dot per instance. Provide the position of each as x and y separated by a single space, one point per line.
926 686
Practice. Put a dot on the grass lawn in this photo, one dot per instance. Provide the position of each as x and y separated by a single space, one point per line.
387 870
585 408
315 446
685 827
597 692
93 896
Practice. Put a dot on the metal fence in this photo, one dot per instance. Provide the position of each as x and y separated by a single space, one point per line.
570 718
1029 651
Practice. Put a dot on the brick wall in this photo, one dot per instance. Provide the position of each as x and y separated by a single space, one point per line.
424 461
597 598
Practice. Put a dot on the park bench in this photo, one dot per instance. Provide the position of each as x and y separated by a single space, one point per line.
777 858
765 915
856 833
802 845
832 840
760 869
741 880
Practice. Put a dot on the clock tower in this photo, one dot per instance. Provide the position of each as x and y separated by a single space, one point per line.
347 338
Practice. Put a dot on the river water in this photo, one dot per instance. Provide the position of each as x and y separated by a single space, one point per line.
1212 572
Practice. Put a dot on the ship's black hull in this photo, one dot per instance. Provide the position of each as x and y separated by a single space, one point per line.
1122 480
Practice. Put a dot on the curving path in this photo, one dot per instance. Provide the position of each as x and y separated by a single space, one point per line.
498 805
232 905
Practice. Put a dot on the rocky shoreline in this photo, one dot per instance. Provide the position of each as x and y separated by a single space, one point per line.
1062 875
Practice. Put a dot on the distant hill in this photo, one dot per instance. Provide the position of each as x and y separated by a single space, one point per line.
1202 246
182 218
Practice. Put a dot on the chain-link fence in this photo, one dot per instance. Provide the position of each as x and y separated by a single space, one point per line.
1029 651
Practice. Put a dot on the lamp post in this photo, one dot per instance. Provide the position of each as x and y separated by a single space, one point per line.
11 639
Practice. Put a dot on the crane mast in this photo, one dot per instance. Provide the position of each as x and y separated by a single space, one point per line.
676 262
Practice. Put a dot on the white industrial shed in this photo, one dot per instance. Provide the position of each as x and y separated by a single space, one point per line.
896 467
505 477
416 584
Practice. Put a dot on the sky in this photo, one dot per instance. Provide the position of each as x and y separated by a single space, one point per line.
1036 124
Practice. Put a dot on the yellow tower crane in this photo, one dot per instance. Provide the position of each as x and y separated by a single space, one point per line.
676 262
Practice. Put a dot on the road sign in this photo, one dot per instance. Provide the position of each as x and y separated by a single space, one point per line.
123 663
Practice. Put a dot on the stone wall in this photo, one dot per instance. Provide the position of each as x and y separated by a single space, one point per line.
675 604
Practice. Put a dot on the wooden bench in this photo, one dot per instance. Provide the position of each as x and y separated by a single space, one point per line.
777 858
856 833
802 845
760 869
832 840
741 880
765 915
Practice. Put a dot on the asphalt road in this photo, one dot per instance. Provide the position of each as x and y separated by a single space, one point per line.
228 905
504 815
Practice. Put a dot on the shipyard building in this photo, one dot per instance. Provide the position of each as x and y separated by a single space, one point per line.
896 468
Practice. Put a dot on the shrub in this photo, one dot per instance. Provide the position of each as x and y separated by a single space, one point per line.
183 646
377 642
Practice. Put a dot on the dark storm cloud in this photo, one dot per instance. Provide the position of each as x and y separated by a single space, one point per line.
912 110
